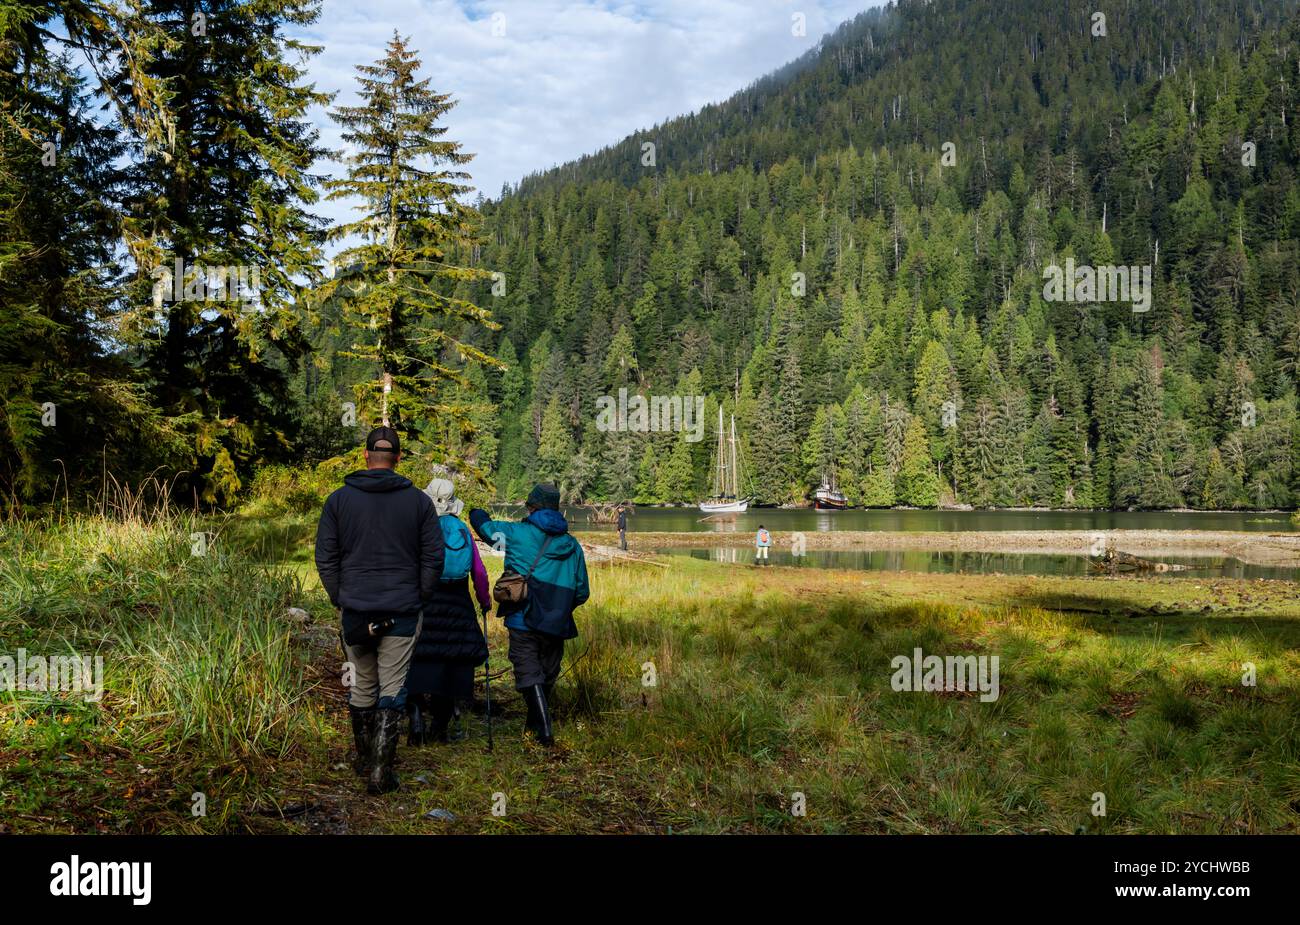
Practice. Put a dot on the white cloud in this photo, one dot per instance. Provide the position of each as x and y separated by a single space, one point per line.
566 78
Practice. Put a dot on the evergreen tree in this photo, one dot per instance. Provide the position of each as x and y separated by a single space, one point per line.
647 488
919 483
217 223
676 478
555 447
397 282
64 396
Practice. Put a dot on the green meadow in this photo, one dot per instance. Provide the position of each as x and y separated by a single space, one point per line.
700 697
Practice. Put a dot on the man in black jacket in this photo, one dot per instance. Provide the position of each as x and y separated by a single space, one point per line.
379 552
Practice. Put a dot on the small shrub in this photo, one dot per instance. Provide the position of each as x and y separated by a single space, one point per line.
294 491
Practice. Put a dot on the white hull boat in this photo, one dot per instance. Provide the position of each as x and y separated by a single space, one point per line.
726 497
724 507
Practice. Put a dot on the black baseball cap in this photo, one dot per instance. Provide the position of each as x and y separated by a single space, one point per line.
385 435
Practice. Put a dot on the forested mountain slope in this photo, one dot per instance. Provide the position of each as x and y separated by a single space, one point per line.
860 240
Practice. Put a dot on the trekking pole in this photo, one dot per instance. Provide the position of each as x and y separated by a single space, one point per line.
487 676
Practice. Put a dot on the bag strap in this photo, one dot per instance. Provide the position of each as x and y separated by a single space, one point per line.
538 557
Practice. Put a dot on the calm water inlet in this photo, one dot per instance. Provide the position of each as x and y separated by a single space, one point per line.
977 563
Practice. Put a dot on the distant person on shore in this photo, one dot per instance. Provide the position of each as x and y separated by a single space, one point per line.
379 553
762 540
548 561
622 527
450 645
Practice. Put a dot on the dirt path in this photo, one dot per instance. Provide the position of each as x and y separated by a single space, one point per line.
1264 549
327 798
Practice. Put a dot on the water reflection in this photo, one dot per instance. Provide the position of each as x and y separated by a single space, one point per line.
978 563
677 520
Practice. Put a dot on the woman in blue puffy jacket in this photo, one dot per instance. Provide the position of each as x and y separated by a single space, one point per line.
451 645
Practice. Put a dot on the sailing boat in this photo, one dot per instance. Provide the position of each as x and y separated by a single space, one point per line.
726 476
829 497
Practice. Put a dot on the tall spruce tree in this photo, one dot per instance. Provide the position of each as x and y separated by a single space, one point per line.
398 277
218 225
70 407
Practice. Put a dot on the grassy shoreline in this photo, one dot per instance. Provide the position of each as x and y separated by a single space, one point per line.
769 682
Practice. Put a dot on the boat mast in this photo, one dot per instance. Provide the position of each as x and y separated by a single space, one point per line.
735 475
720 473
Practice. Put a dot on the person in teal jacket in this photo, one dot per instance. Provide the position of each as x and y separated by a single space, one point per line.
541 548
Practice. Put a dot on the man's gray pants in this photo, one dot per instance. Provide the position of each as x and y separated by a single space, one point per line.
536 658
379 671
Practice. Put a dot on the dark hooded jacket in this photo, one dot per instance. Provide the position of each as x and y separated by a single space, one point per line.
378 545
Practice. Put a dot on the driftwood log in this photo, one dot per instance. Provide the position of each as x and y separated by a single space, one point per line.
1114 561
605 512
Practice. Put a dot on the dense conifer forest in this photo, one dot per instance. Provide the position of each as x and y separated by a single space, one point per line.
853 256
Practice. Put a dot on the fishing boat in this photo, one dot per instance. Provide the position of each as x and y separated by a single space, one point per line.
828 497
726 497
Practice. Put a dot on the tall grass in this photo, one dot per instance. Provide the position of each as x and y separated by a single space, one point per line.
200 669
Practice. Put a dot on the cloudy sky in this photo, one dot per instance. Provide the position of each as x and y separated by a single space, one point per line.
540 82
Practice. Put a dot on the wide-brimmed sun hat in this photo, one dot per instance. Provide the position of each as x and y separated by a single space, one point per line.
443 495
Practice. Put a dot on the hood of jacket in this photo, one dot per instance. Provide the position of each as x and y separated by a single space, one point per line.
376 480
549 521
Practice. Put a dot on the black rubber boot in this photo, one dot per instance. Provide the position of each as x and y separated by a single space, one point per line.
439 718
539 714
417 730
531 722
383 779
363 733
